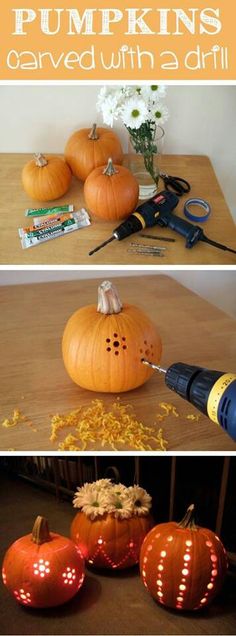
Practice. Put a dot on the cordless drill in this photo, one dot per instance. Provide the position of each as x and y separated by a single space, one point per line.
211 392
158 211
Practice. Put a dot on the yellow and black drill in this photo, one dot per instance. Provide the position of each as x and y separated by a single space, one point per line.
211 392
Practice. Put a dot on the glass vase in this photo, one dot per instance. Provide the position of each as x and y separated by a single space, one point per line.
145 165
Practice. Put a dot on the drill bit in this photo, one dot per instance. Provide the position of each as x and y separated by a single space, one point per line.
150 248
156 367
99 247
158 238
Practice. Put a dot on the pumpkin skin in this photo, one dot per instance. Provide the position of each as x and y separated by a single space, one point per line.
108 542
43 574
111 192
102 352
87 149
46 178
182 567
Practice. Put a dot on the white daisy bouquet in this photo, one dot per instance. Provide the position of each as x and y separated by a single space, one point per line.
142 110
100 497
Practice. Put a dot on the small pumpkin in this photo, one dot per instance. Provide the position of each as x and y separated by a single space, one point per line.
89 148
111 192
43 569
46 178
112 523
183 565
102 346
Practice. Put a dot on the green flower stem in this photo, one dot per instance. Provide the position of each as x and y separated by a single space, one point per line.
143 140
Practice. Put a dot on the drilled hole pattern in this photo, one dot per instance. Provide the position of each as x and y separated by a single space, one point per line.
147 350
116 345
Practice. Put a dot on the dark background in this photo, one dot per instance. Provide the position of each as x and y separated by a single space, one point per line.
117 602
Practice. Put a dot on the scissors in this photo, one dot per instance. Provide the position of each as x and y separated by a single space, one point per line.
176 184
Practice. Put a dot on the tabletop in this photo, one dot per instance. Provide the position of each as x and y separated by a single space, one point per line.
34 380
74 248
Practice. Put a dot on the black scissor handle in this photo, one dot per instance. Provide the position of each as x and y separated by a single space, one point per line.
177 184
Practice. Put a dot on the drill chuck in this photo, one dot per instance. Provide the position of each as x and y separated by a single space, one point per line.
211 392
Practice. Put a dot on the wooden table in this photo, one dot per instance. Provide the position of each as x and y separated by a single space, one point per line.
33 377
74 248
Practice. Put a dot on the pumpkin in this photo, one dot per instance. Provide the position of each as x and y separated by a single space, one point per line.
183 565
43 569
89 148
111 192
108 542
103 346
46 178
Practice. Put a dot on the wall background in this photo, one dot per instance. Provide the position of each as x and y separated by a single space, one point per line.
202 121
218 287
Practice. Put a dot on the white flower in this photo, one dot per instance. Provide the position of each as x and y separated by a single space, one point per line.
110 110
120 506
134 112
81 494
86 493
159 113
140 499
152 92
102 497
119 489
95 503
102 484
108 103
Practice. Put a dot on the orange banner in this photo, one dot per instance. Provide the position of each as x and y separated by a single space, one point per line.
116 40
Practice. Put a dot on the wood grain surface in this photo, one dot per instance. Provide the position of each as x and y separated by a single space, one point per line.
74 248
33 377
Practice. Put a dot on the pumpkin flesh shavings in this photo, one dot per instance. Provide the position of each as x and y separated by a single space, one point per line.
18 418
116 427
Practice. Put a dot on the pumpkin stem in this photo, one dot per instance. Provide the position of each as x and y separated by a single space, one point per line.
93 133
108 299
40 532
110 169
40 160
188 520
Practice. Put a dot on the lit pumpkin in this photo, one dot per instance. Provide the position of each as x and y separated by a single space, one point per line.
46 178
111 192
89 148
43 569
183 565
103 346
110 542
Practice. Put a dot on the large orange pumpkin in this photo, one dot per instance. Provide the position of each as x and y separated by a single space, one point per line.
46 178
183 565
108 542
89 148
43 569
103 346
111 192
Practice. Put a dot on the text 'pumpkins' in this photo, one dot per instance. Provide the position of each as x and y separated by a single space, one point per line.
89 148
46 178
111 192
103 346
43 569
183 565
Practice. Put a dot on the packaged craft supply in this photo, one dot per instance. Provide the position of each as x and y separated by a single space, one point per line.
40 222
36 234
44 211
